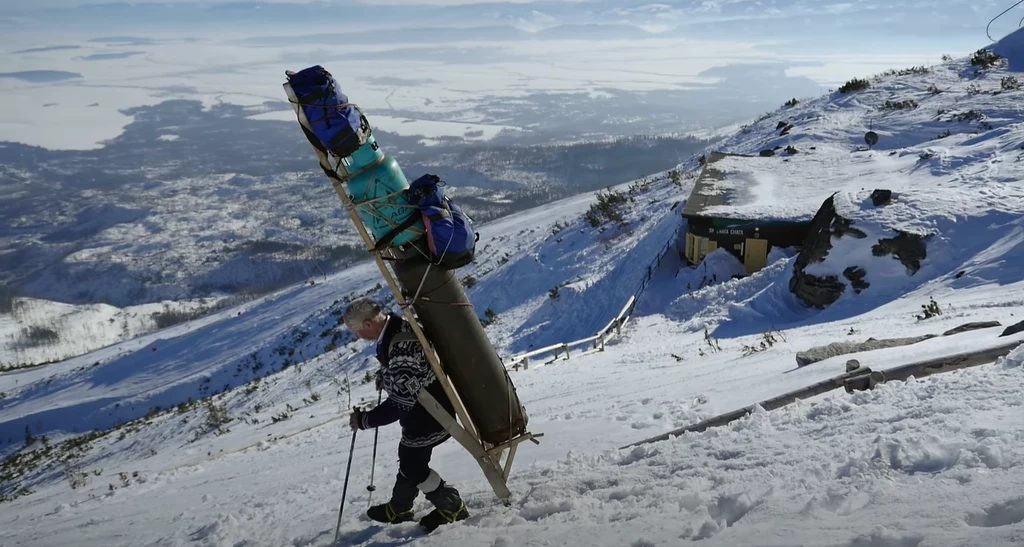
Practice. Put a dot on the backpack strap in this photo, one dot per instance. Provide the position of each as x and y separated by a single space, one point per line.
391 235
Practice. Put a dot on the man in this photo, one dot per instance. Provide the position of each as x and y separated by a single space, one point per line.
404 371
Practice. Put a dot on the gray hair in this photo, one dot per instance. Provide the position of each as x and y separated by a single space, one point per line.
359 311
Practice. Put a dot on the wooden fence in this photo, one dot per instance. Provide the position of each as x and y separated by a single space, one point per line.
596 343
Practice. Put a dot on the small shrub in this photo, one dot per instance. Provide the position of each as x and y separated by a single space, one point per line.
1010 83
468 281
791 103
74 474
934 89
638 186
216 415
553 292
313 396
908 104
606 208
906 71
929 310
169 317
969 116
856 84
768 339
973 89
947 58
984 58
280 417
490 316
944 134
711 342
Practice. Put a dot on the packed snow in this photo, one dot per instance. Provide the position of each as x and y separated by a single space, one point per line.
930 461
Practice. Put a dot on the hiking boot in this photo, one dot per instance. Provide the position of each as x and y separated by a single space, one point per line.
387 514
437 517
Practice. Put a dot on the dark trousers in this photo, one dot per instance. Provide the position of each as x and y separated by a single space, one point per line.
413 471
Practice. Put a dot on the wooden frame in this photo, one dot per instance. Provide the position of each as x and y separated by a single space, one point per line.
466 433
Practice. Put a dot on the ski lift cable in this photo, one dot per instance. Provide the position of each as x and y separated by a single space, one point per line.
1004 12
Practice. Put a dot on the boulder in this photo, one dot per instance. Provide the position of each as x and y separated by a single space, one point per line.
815 291
828 226
834 349
973 326
881 198
1013 329
767 153
909 249
856 276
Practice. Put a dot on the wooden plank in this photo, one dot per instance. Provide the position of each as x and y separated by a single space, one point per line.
492 472
508 461
513 442
950 363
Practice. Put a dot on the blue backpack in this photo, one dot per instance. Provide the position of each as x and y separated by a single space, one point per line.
336 123
450 235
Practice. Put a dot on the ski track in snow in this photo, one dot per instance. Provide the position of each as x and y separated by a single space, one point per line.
930 461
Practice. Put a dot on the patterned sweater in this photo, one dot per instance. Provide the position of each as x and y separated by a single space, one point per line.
404 370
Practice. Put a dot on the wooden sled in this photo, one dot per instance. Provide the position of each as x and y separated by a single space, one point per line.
488 457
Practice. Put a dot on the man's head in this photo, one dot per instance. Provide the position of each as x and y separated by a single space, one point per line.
365 319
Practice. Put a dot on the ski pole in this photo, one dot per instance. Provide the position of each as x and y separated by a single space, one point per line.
373 465
344 490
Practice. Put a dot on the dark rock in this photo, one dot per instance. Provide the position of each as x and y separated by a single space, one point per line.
960 274
790 150
780 126
973 326
856 276
909 249
767 153
881 197
785 130
1013 329
820 292
842 226
814 148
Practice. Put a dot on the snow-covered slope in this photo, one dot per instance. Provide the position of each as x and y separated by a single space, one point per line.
935 461
41 331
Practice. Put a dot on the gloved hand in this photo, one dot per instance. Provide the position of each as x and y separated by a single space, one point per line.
355 420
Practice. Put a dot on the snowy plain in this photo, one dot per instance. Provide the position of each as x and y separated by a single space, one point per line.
935 461
105 79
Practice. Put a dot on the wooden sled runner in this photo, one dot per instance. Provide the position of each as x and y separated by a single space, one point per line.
494 458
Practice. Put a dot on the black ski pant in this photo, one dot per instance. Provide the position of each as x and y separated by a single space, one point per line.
415 475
